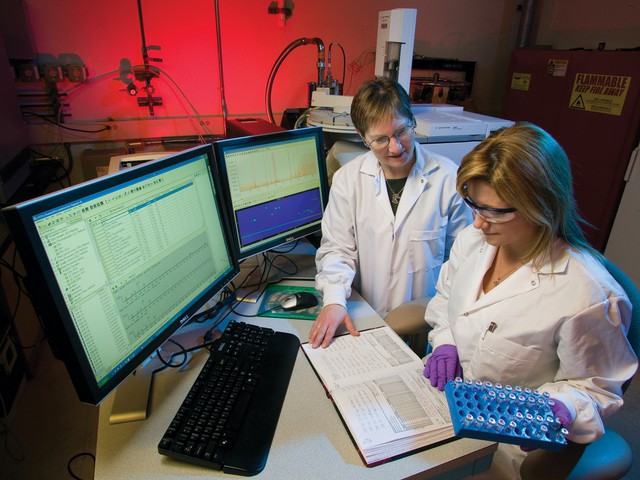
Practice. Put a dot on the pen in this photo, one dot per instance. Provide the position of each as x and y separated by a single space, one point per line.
492 328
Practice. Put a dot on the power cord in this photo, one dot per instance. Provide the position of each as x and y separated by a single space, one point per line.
229 301
168 364
19 280
60 164
76 456
7 433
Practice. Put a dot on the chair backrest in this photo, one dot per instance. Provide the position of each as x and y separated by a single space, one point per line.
634 296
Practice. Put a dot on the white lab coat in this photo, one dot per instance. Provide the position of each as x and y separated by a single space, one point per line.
560 328
388 260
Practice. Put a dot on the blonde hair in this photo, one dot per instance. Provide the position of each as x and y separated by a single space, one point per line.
377 100
530 171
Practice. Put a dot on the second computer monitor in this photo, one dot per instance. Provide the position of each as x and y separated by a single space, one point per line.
277 187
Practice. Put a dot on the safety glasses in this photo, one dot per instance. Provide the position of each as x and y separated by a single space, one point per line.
489 214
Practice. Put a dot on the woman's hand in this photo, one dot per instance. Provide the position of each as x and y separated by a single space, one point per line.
443 365
326 324
561 413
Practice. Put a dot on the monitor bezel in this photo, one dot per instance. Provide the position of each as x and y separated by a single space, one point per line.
220 147
47 298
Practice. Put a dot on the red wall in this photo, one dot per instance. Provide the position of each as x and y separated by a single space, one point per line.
101 34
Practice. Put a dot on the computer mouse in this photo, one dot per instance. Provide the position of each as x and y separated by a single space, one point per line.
299 301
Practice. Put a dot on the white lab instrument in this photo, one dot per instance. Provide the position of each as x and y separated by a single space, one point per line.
394 47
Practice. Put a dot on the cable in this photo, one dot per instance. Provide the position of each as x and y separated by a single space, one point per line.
344 65
89 81
269 263
193 108
58 124
16 277
295 267
6 431
78 455
276 66
172 84
60 164
358 64
182 352
15 274
213 311
19 281
302 119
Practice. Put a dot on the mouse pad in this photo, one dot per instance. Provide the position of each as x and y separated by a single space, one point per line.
274 294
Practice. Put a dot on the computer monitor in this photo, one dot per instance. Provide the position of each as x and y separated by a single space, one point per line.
276 185
116 265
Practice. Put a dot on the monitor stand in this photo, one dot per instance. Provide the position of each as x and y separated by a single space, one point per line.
131 401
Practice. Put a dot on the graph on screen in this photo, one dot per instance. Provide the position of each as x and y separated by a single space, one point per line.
257 175
276 185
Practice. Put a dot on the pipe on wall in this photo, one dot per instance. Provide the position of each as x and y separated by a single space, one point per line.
526 23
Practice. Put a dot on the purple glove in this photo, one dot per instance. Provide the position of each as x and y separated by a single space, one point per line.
443 365
561 412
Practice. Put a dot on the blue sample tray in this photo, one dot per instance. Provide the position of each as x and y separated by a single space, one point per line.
506 414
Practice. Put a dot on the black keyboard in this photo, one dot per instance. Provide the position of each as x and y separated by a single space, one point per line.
228 418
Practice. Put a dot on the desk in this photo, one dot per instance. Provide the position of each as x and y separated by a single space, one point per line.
310 441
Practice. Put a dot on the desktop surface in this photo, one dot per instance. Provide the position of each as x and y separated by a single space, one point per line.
310 440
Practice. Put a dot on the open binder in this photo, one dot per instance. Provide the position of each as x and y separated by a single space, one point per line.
376 383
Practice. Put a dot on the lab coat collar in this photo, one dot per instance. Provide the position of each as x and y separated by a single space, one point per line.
416 182
521 281
525 279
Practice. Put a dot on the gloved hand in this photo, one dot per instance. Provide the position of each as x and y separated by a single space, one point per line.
561 412
443 365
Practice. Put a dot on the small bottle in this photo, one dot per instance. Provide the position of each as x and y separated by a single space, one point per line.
501 424
468 420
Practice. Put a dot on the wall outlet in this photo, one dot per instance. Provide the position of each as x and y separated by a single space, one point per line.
77 73
28 72
52 73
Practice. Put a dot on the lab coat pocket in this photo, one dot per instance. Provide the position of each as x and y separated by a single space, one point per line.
426 249
500 360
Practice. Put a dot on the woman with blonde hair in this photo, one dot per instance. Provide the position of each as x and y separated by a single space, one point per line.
524 299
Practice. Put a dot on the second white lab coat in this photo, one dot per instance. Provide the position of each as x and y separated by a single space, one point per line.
388 259
559 327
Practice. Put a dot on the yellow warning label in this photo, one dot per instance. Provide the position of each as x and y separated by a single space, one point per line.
599 93
557 67
520 81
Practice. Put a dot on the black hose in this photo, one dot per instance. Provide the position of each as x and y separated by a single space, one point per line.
274 70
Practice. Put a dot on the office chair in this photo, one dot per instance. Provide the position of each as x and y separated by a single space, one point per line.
609 457
407 320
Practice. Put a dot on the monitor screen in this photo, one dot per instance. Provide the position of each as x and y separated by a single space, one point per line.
276 185
117 264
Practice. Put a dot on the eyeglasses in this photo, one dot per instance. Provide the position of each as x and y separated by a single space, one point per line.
491 215
401 134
